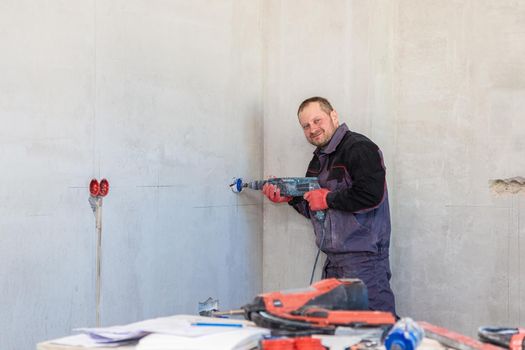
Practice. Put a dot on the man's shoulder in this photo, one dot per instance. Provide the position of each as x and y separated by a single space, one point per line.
353 139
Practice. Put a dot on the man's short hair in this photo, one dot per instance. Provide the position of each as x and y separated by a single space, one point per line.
323 103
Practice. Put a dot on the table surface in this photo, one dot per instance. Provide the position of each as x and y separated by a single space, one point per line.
426 344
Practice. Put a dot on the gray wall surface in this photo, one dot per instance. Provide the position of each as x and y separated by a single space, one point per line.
163 98
440 87
459 116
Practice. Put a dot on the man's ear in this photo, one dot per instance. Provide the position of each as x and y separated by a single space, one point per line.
335 117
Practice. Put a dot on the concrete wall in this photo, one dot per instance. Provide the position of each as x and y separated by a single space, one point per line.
440 87
163 98
460 102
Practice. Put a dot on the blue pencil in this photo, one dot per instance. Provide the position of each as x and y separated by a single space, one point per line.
209 324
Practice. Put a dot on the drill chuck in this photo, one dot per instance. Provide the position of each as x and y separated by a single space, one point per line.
238 185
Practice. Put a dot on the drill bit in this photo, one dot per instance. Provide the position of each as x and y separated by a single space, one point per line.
228 313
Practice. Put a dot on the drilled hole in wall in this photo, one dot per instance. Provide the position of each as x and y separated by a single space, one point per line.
511 185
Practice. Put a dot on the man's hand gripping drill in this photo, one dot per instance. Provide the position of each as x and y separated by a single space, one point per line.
274 194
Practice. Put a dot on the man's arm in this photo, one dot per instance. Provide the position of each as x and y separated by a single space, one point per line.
365 167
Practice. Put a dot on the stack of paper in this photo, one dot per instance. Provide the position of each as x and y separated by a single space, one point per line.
240 339
192 332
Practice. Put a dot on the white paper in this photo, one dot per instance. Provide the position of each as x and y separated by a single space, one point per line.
238 339
85 341
182 325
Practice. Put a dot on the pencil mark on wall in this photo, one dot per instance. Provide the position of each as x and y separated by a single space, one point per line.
158 186
475 206
226 206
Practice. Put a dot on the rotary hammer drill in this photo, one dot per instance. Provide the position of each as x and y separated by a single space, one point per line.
289 186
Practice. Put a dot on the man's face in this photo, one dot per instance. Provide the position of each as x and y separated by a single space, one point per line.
318 126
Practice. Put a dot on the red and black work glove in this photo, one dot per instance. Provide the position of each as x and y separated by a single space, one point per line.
317 199
274 194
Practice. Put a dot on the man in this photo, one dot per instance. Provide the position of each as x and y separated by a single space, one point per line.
355 234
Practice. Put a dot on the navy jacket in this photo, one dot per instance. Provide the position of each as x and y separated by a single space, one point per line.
358 218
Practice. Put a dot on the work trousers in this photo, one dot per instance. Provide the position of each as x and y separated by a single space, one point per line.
373 269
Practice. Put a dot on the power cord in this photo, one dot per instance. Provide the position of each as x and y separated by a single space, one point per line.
318 252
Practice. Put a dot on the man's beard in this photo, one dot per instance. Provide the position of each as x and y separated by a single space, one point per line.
321 142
